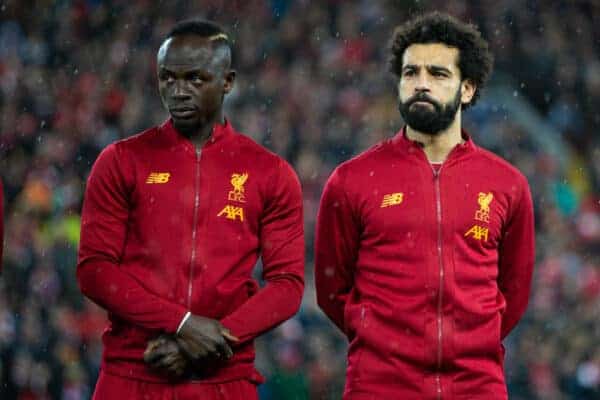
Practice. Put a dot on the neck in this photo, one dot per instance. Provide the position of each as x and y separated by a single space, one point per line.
201 135
438 146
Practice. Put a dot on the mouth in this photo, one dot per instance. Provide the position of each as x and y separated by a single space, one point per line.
422 102
182 112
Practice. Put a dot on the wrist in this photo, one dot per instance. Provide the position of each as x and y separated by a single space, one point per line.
183 320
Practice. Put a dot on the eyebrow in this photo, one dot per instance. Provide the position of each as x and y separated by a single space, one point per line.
164 69
437 68
430 67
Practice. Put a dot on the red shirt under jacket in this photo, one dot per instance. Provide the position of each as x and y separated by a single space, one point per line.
167 229
425 271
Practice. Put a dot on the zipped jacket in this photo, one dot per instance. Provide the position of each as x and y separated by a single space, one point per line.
168 228
425 270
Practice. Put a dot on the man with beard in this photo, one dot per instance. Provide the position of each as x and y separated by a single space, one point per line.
174 220
425 242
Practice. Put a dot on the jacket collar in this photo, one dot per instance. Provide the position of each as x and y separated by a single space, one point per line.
220 133
403 143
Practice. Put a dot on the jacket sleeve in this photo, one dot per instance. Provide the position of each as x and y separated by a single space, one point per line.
104 226
517 257
282 251
336 249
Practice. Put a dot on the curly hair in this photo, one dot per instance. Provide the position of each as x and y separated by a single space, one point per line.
474 61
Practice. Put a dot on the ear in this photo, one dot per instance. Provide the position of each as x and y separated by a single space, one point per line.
467 91
228 81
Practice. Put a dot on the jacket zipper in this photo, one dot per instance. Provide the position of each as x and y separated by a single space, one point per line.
194 228
438 203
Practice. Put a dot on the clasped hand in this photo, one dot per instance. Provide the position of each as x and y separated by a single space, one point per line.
201 342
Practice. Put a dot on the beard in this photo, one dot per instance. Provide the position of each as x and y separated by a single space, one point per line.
423 118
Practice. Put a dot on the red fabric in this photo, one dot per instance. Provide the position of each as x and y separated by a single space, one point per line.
382 280
141 253
111 387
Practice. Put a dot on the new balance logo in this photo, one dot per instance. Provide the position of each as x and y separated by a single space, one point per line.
158 177
232 212
392 199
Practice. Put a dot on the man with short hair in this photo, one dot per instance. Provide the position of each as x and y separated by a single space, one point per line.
425 242
174 220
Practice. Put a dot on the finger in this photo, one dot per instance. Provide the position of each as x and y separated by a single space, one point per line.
147 354
158 360
159 341
158 363
171 357
213 349
159 352
175 364
225 350
211 344
185 348
227 335
178 368
193 352
165 362
152 345
150 357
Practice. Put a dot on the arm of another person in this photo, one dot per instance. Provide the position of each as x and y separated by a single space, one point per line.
104 226
517 257
336 250
282 249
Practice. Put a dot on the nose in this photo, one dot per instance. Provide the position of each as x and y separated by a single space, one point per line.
179 90
422 84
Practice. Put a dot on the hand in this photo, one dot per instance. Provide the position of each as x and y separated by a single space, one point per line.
163 354
200 338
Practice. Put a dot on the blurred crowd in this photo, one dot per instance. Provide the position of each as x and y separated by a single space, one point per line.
312 86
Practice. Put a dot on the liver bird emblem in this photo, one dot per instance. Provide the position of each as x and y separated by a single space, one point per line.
238 180
484 201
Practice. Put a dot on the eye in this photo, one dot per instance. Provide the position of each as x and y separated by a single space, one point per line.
196 79
439 74
409 72
166 77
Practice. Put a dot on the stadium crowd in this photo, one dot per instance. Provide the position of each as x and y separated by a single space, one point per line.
312 86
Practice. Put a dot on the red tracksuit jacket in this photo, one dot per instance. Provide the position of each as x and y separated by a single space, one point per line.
167 229
425 272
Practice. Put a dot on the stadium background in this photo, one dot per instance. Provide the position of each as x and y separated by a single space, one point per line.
312 86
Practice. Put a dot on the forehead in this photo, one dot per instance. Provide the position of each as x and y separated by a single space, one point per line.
188 50
431 54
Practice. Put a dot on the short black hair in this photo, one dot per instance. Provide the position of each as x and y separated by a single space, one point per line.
474 60
202 28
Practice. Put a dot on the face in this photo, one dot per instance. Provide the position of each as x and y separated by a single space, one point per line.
193 77
430 88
